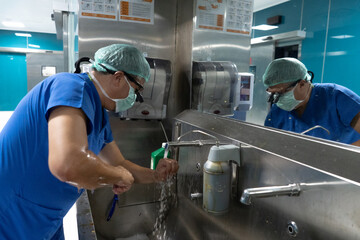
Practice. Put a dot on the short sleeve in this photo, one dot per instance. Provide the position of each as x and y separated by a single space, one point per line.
70 90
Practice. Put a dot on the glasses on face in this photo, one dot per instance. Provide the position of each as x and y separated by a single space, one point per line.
274 96
139 97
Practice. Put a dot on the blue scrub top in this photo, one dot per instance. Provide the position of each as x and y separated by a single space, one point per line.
330 105
32 201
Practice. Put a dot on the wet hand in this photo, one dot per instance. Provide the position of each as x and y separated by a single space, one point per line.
165 169
125 183
120 188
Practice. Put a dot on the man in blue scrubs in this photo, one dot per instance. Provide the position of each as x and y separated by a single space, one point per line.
58 142
327 110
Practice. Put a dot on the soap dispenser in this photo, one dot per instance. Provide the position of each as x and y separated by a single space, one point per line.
217 178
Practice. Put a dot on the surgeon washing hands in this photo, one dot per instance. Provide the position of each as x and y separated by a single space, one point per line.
299 105
58 142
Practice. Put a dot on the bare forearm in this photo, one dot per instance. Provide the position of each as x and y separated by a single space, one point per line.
140 174
88 171
165 168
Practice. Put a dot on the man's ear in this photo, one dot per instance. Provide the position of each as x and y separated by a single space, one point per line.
118 76
302 83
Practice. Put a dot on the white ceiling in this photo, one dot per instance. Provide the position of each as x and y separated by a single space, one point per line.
263 4
36 14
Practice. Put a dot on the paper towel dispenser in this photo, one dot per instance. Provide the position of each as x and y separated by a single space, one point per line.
214 87
155 93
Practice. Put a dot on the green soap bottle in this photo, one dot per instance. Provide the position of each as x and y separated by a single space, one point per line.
157 155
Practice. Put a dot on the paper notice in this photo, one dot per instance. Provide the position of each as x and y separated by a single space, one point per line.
100 9
239 16
140 11
210 14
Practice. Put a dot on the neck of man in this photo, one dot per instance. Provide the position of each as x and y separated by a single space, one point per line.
105 101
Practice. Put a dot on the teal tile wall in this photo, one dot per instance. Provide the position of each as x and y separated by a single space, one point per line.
46 41
13 70
342 63
13 80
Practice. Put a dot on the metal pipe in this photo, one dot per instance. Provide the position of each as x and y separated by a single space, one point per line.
193 143
202 132
177 132
312 128
290 190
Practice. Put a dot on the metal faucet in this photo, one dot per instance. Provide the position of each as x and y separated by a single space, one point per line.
290 190
198 143
314 127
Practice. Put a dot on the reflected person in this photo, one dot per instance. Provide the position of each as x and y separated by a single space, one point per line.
299 105
58 142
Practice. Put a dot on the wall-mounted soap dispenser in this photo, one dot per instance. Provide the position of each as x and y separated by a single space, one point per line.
217 178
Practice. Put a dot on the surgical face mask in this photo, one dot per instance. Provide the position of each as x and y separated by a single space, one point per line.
287 101
122 104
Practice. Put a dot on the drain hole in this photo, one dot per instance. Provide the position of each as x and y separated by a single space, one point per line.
292 229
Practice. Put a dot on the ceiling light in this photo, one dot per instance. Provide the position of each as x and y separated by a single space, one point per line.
336 53
23 34
34 46
342 36
264 27
13 24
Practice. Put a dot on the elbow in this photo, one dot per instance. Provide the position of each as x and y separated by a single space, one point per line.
61 170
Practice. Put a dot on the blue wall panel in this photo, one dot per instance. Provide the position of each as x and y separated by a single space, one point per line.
342 56
46 41
13 70
314 19
291 12
13 80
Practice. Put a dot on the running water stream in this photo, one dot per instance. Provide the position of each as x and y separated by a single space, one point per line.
167 198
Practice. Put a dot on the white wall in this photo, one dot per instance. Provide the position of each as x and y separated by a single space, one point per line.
4 116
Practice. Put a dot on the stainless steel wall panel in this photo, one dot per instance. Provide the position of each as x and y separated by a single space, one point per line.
261 55
157 40
138 208
34 62
180 92
325 209
218 46
333 158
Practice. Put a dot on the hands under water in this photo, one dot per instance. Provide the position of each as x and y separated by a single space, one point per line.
165 168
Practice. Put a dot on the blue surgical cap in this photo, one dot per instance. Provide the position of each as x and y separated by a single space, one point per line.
285 70
122 57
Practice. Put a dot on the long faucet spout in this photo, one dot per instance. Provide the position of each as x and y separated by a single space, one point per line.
290 190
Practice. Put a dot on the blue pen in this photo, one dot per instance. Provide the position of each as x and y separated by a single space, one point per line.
115 199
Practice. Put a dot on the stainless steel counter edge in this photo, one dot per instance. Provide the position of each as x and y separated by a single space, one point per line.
335 159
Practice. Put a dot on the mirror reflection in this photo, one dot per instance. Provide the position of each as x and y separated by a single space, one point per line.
322 35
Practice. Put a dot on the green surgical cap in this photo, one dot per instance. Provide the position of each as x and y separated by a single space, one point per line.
285 70
122 57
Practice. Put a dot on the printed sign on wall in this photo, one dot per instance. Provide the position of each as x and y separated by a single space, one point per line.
232 16
140 11
99 9
210 14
